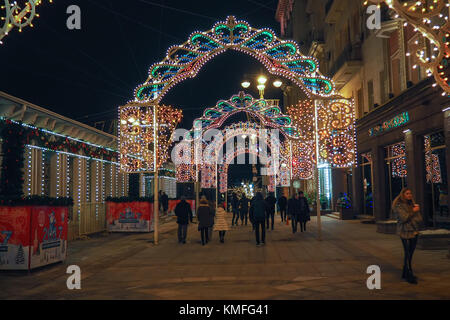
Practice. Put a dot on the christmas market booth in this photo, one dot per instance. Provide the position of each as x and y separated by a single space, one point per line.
33 232
129 214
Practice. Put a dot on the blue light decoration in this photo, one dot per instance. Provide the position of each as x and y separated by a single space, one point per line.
280 57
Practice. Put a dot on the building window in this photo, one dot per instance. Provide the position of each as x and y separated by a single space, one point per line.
395 67
367 178
370 94
395 171
436 188
360 104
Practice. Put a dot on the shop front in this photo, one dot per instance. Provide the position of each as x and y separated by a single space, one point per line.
403 144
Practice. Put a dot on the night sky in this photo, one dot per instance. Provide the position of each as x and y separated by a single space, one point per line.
86 74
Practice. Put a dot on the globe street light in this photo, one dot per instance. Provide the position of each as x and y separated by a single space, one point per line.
262 80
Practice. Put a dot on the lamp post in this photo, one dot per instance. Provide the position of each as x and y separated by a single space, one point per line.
277 83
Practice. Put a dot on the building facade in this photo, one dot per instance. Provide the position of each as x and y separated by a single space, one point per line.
402 126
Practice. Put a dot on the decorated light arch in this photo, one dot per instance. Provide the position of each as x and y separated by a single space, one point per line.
280 57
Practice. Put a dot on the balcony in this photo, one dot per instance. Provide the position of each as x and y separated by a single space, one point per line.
346 65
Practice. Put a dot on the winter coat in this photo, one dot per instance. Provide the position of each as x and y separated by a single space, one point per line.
303 209
258 210
271 201
205 216
293 208
408 220
221 222
282 202
235 203
183 212
244 205
165 201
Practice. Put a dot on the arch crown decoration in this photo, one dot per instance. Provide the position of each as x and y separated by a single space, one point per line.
280 57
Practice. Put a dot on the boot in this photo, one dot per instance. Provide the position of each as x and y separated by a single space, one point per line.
410 277
405 272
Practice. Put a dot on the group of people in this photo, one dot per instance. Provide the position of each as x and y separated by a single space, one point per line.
261 210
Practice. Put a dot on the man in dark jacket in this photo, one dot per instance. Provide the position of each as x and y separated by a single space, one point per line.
258 216
270 204
282 203
244 209
165 202
303 211
235 208
294 211
183 212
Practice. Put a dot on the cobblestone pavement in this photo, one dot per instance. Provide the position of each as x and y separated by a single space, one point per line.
289 266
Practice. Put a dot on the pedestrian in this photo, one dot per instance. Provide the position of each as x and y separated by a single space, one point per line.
204 216
282 203
160 201
293 211
235 209
270 202
165 202
303 211
221 223
183 212
258 215
409 220
244 209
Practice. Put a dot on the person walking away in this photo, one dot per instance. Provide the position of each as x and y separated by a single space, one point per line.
409 220
183 212
235 208
221 224
244 209
258 214
165 202
270 202
293 210
204 219
212 210
282 203
304 211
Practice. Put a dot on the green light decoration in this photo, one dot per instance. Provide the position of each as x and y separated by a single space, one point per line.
281 58
393 123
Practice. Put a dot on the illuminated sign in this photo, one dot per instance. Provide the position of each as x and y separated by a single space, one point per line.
396 122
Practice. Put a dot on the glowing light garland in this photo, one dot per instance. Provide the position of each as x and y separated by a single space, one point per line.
281 58
136 135
431 21
432 165
16 16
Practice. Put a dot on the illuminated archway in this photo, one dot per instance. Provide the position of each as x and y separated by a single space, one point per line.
280 57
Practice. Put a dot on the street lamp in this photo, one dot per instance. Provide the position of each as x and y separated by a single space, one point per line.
262 80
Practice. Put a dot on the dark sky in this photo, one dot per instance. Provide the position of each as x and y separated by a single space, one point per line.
95 70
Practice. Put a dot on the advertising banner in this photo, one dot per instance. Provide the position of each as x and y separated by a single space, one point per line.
129 216
14 238
48 235
32 237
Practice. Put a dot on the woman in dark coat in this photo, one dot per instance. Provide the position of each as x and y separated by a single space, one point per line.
235 208
303 211
258 210
409 220
205 219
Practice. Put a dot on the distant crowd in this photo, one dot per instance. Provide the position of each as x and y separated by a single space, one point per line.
259 211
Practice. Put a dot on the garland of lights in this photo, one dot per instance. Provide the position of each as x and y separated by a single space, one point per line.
269 115
15 16
398 162
280 57
432 165
431 19
136 135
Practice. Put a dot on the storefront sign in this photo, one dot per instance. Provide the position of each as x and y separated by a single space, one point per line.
396 122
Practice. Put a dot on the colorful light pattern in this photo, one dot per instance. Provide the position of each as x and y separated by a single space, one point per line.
431 20
280 57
